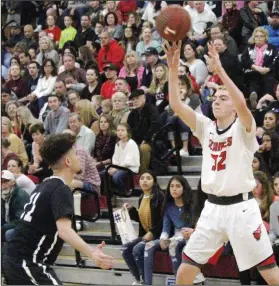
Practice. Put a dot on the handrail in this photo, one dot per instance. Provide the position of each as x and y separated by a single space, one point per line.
176 144
109 195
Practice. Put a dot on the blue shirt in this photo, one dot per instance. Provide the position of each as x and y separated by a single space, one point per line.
273 36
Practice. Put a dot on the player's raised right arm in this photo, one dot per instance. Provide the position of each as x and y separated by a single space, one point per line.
184 112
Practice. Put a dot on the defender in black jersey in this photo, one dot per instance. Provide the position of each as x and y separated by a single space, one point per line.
46 222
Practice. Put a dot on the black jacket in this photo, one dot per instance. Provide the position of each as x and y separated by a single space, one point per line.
156 215
143 122
148 74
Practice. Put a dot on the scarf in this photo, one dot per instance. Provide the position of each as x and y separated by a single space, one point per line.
260 55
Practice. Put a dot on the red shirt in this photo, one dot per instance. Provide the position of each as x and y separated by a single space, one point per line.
54 33
126 7
107 89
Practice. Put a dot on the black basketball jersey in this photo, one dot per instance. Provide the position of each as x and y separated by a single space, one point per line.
36 236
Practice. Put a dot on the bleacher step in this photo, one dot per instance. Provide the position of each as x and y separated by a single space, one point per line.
193 181
185 169
191 161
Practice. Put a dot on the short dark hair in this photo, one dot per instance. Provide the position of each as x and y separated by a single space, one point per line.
36 63
54 95
56 146
123 79
37 127
6 90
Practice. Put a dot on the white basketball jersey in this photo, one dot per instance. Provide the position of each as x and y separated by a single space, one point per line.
227 157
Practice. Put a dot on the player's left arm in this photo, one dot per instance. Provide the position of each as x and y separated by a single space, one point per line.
244 114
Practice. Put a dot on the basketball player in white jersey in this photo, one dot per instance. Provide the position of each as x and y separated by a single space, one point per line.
230 213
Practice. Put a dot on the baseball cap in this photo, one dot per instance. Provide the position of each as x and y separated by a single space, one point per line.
136 93
7 175
274 13
151 51
111 67
15 25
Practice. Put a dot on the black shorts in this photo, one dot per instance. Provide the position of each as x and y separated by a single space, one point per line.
25 272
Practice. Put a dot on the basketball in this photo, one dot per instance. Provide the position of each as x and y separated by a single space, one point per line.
173 23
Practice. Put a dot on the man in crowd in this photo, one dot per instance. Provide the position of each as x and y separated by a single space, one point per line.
273 29
13 200
86 35
121 85
29 36
143 121
108 87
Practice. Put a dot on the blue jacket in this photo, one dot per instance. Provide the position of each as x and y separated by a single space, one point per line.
273 36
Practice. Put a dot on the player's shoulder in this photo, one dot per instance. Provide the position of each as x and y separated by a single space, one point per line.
50 184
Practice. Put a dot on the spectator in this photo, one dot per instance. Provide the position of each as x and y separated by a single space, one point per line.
70 68
108 86
149 216
105 142
6 96
38 167
95 11
24 60
196 66
130 39
274 229
193 100
115 30
57 119
93 87
73 98
17 84
86 58
32 51
12 202
231 21
143 120
99 26
126 7
85 136
259 164
134 22
61 90
121 85
11 108
96 101
177 216
200 21
15 166
47 51
257 61
29 36
87 113
159 87
72 83
6 154
111 7
276 183
53 32
20 47
34 75
132 70
251 17
264 194
106 107
152 59
85 35
110 52
120 110
17 145
146 44
273 29
270 151
68 50
10 52
69 33
46 83
152 10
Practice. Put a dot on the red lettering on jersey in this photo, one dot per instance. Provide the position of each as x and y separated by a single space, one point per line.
210 144
229 141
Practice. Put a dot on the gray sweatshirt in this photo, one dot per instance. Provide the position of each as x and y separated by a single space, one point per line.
274 222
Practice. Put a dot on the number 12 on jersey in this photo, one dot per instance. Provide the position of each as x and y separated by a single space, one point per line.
219 161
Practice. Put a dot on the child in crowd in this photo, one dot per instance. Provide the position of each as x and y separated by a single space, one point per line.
149 216
106 106
177 216
69 33
96 101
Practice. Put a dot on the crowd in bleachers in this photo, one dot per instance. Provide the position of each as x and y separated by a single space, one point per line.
97 70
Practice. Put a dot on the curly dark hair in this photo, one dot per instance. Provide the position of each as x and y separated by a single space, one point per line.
55 147
187 197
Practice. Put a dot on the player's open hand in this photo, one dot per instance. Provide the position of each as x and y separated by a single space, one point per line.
102 260
172 53
215 59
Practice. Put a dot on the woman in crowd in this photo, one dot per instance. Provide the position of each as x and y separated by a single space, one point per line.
147 42
86 58
115 30
87 113
68 49
130 39
177 226
132 70
53 32
270 151
259 164
134 22
120 110
17 145
94 86
270 123
126 154
6 154
38 167
32 51
159 87
11 108
47 51
96 101
197 67
193 100
152 10
257 61
46 83
111 7
149 216
73 98
105 142
15 166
